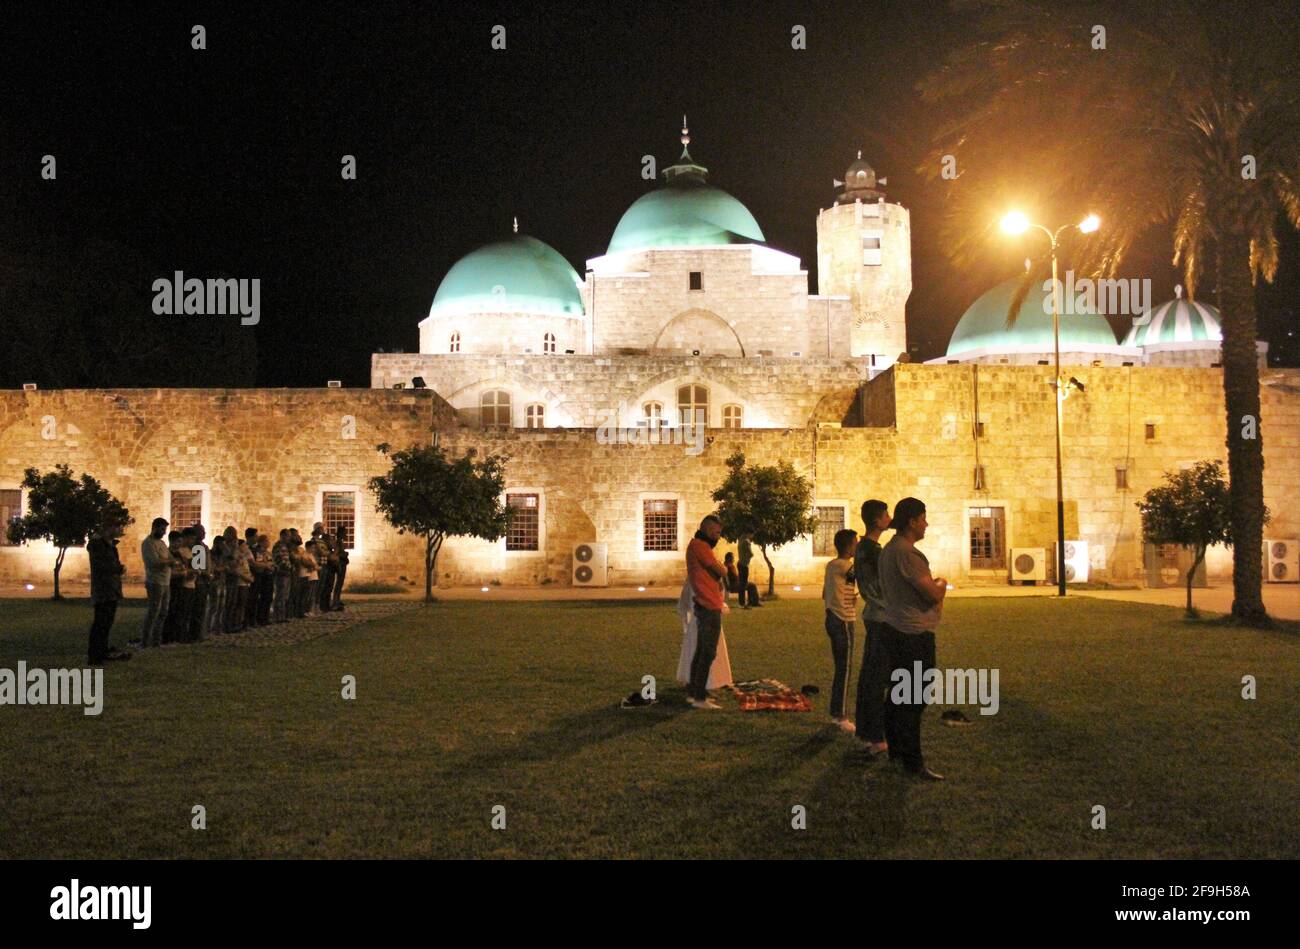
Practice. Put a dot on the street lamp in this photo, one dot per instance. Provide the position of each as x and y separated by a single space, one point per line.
1016 223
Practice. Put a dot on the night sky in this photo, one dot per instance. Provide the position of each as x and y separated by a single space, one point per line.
226 161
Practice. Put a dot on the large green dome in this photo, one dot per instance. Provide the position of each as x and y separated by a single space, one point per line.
684 213
984 325
521 274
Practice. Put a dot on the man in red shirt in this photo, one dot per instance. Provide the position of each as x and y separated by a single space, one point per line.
706 576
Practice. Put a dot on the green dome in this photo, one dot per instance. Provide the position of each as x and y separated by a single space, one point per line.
684 213
984 325
1178 321
519 274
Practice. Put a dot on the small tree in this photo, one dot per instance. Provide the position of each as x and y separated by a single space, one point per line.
772 504
1192 508
64 511
426 494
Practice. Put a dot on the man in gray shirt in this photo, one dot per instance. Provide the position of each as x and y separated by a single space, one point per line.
873 680
913 605
157 557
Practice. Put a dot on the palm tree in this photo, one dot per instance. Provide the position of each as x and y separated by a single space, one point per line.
1180 114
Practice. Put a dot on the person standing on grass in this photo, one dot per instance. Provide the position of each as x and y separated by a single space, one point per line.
840 598
744 554
157 583
734 584
105 592
873 679
706 577
282 558
913 605
336 600
201 564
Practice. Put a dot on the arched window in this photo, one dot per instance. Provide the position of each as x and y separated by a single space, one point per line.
732 416
454 345
536 414
548 343
494 408
654 415
692 405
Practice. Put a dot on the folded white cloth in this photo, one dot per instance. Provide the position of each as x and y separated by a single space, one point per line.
720 671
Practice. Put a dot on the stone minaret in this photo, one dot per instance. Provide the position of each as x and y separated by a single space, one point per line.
864 252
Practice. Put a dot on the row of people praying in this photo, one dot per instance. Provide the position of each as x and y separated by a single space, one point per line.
238 583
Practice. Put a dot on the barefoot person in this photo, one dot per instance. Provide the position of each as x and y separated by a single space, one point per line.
720 671
706 577
913 605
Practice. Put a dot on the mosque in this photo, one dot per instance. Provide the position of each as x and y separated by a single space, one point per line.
691 320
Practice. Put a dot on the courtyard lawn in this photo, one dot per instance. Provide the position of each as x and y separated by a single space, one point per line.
465 705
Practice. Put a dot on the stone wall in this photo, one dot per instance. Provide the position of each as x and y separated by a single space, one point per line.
263 454
594 492
587 391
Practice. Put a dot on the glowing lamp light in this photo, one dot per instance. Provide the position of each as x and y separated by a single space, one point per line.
1090 224
640 589
798 589
1014 223
484 589
29 587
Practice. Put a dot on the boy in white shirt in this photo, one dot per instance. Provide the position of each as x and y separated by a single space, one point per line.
840 598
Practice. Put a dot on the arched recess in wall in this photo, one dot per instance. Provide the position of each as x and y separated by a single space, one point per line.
702 330
465 401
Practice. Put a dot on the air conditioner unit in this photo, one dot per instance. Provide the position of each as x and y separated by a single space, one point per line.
1167 565
589 565
1283 565
1028 564
1076 561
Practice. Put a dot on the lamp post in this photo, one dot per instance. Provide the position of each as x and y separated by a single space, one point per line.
1016 223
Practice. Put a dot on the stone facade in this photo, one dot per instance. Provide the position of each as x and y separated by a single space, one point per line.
586 392
261 458
877 279
920 439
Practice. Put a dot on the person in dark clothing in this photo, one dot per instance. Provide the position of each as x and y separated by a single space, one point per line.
336 600
706 577
746 554
734 583
873 680
913 607
105 592
201 566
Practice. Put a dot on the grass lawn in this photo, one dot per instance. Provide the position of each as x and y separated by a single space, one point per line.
466 705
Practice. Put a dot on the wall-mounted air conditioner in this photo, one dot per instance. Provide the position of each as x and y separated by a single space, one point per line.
589 565
1167 566
1076 561
1282 561
1028 564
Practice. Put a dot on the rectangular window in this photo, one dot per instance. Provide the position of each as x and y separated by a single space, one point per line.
871 247
659 517
1151 431
11 509
523 532
979 429
987 538
829 520
1121 479
697 280
338 514
185 509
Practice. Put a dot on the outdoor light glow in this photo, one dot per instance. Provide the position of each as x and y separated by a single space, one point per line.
30 587
798 589
484 589
1090 224
641 589
1015 223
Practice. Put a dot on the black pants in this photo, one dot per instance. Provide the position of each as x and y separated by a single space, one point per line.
182 605
746 589
105 613
325 587
172 630
264 587
873 683
840 632
708 625
903 718
336 599
198 612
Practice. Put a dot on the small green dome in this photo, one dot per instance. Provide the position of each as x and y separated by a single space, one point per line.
684 213
521 274
1178 321
984 324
